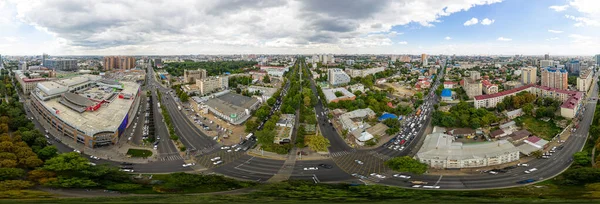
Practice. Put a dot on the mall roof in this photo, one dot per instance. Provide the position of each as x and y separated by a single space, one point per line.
442 146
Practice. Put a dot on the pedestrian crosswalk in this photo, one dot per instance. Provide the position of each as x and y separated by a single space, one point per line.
342 153
171 157
380 156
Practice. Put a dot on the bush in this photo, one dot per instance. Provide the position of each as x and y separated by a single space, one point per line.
15 185
139 153
11 173
124 187
406 164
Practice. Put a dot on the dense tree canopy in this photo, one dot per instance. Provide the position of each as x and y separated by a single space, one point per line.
406 164
317 143
464 115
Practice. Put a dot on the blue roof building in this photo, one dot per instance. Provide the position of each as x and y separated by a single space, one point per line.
446 95
387 116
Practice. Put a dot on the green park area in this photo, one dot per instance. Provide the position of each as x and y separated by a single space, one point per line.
139 153
540 128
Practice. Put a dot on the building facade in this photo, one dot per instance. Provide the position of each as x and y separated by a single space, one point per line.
364 72
119 62
488 87
584 81
472 88
190 76
547 63
211 84
424 59
337 77
529 75
61 64
555 78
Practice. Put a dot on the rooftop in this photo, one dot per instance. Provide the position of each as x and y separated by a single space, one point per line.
442 146
446 93
231 103
107 117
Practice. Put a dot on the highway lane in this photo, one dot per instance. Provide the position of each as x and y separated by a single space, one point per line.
166 148
250 168
189 134
322 174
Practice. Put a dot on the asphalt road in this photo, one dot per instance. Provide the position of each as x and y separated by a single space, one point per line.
250 168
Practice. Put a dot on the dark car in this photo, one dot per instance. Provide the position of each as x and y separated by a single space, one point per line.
126 163
526 181
126 167
326 166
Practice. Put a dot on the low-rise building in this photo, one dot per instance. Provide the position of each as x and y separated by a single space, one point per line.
231 107
450 84
331 95
266 92
514 113
446 95
488 87
354 120
29 83
584 81
357 87
285 125
363 72
440 151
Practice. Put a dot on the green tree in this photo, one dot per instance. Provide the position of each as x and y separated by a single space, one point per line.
11 173
528 109
265 137
582 158
271 101
317 143
537 154
251 126
15 185
267 79
47 152
67 162
406 164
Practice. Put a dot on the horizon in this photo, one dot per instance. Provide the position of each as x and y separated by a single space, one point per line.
281 27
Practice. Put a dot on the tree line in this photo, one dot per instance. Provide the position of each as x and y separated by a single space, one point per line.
212 68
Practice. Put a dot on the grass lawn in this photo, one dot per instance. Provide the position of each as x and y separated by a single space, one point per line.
544 130
139 153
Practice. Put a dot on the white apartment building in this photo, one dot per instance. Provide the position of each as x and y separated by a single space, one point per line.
363 72
547 63
211 84
584 81
337 77
440 151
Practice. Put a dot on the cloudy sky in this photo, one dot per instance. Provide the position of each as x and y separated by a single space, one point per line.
139 27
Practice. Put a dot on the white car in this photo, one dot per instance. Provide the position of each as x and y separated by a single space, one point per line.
229 150
155 146
215 159
76 150
416 186
436 187
127 170
530 170
310 168
492 172
218 162
225 147
377 175
94 157
92 163
522 164
233 146
401 176
359 162
188 164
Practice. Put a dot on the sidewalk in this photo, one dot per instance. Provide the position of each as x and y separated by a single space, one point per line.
117 152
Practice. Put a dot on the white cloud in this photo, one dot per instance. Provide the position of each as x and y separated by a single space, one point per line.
447 38
487 21
586 6
402 43
555 31
228 26
504 39
11 39
583 21
470 22
559 8
552 39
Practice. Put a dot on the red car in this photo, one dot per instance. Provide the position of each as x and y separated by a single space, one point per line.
402 142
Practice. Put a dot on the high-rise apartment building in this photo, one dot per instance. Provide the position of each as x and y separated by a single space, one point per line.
210 84
574 66
555 78
475 75
546 63
584 81
190 76
597 60
547 56
424 59
44 57
1 62
118 62
337 77
61 64
529 75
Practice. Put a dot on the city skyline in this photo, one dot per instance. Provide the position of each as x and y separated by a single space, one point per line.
483 27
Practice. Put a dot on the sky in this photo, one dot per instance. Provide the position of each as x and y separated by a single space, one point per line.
182 27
